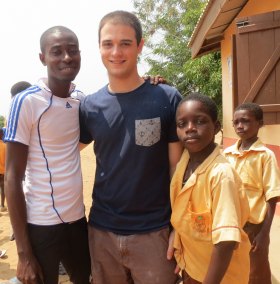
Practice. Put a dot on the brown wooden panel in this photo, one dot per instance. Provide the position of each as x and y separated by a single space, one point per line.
277 68
261 47
257 63
234 74
271 108
243 66
263 76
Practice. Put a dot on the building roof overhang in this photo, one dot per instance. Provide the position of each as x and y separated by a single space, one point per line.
215 19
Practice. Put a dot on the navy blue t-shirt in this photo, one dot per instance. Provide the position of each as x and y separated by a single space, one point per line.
131 132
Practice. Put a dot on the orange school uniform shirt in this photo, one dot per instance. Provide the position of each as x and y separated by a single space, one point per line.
211 207
260 175
2 157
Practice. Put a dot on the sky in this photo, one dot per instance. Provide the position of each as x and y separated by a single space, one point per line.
23 21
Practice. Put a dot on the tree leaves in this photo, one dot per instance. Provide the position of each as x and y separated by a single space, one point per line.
2 121
168 26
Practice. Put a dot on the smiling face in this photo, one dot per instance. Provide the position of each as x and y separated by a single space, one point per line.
119 50
61 55
195 127
246 124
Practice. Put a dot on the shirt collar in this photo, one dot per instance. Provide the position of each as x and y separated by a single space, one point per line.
177 179
209 160
43 84
257 146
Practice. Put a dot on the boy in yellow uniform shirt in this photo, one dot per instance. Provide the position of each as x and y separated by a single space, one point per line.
209 206
258 169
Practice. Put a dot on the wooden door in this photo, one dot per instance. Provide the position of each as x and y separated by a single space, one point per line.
256 64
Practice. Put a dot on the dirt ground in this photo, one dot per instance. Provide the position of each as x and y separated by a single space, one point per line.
9 262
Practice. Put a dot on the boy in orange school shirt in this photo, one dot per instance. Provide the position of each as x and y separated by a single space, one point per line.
258 169
209 206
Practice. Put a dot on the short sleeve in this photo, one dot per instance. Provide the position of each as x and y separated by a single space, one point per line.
230 207
271 177
19 124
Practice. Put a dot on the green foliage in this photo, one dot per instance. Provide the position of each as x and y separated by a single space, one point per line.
168 26
2 121
205 72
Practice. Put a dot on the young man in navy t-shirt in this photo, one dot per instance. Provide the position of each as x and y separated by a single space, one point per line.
132 124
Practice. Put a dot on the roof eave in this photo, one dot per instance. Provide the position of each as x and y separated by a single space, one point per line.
215 19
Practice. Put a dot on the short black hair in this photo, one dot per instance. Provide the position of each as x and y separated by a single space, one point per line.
252 107
19 87
52 30
125 18
208 103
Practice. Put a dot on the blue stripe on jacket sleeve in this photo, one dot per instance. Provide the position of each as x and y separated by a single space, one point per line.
14 112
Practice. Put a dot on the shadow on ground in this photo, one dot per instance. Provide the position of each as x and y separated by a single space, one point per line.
5 267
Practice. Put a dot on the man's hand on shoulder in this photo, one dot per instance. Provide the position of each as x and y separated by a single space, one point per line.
155 80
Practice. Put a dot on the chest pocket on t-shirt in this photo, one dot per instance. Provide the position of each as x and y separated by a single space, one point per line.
147 131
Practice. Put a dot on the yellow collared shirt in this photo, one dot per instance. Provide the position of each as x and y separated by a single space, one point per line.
259 172
211 207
